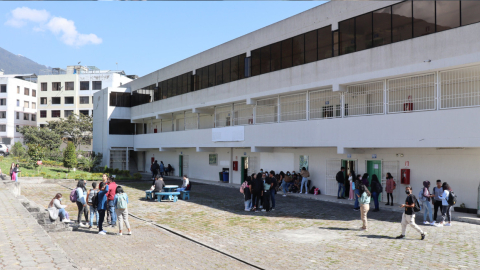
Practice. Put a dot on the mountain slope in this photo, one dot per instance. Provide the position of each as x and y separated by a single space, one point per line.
17 64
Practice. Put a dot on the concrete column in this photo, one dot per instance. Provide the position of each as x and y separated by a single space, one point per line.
230 167
278 109
385 100
127 168
307 107
438 91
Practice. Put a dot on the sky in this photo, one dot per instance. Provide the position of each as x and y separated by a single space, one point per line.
140 36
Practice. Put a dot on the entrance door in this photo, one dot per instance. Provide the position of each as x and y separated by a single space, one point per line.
185 166
331 186
350 167
374 167
244 169
180 165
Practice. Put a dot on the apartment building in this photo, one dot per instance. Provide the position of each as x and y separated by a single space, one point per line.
374 86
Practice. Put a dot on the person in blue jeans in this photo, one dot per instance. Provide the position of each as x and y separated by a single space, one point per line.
93 208
162 169
376 189
102 206
358 185
425 197
305 174
340 177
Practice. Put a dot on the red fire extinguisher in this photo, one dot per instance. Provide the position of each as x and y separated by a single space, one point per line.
409 105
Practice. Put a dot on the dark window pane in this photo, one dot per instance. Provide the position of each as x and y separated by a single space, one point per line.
298 50
241 66
164 89
174 86
96 85
69 85
311 46
276 56
84 86
265 60
204 77
234 68
170 88
325 42
68 100
363 32
189 82
423 18
448 15
336 45
198 78
402 21
56 100
211 75
44 86
382 27
256 55
55 113
346 30
470 12
287 53
226 71
185 83
84 112
121 127
219 73
43 114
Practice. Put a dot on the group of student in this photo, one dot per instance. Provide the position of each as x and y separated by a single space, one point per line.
160 169
108 199
158 185
14 170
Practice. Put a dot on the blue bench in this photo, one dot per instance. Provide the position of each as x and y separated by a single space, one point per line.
185 194
172 196
148 194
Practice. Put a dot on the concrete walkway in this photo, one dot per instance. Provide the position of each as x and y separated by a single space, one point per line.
23 243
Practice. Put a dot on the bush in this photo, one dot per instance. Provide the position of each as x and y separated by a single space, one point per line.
115 171
127 173
105 169
69 156
52 163
18 150
137 176
36 153
54 155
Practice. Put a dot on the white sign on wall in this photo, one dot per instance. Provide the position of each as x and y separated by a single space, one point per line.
228 134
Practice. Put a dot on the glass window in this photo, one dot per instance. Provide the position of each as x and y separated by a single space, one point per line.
204 77
189 82
18 89
325 42
363 32
164 89
17 128
26 91
3 114
298 50
169 88
43 86
56 100
3 128
18 102
18 115
34 105
402 21
56 113
84 112
241 66
226 71
423 18
34 93
448 15
26 116
69 100
287 53
211 75
174 87
43 101
470 12
3 88
97 85
198 79
67 113
26 104
234 68
218 73
185 83
256 56
85 85
276 56
43 114
69 86
265 59
117 99
346 30
382 27
311 46
34 117
3 101
56 86
121 127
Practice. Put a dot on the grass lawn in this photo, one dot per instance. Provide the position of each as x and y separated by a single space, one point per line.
52 172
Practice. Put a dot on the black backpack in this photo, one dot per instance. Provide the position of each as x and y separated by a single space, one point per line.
452 198
312 190
95 200
416 208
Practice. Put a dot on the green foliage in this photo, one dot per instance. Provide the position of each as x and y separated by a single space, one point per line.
53 163
54 155
35 152
1 158
90 163
127 174
137 176
78 128
18 150
40 136
69 156
115 171
105 169
81 176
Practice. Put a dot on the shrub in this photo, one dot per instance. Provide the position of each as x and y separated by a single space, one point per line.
52 163
127 173
115 171
69 156
105 169
36 153
137 176
18 150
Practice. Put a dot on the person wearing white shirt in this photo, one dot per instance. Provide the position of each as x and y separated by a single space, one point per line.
446 208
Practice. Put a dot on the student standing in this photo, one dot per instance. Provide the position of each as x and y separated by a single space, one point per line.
81 201
408 216
11 171
425 201
162 169
437 192
364 201
121 209
112 187
102 206
305 174
389 188
351 181
376 191
267 185
86 210
257 185
446 207
93 208
247 193
340 177
273 188
358 187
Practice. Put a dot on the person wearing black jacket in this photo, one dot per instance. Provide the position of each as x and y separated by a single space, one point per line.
155 169
257 185
267 185
273 189
376 191
340 177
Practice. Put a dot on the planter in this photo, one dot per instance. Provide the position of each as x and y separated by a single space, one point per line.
465 210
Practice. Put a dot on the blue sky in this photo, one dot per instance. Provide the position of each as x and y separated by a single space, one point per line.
141 36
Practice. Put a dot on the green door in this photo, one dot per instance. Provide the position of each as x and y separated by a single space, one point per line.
242 169
374 167
180 165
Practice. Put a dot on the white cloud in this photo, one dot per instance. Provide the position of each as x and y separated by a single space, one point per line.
20 16
59 26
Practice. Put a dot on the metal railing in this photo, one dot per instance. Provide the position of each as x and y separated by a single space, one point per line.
223 116
324 103
364 99
267 111
191 121
242 114
460 88
293 107
414 93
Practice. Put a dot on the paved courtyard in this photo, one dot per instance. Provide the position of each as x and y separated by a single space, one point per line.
299 234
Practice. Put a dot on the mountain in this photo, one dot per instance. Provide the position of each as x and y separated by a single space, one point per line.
18 64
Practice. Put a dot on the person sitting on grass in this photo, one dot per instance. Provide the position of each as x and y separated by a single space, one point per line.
57 209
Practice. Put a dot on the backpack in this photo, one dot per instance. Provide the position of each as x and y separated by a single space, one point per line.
417 207
420 195
95 200
452 198
312 190
73 195
122 201
243 186
92 193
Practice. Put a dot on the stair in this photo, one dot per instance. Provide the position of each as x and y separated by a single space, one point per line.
42 216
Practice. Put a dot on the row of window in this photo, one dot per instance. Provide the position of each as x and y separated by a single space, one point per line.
26 104
26 91
66 113
67 100
70 86
26 116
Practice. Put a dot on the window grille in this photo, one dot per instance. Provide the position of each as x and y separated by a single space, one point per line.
118 159
166 125
364 99
460 88
222 116
205 121
293 107
191 121
242 114
415 93
267 111
322 102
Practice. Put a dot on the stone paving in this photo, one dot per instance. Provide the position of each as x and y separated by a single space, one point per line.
23 243
299 234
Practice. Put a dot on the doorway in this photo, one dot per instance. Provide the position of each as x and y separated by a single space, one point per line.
349 166
244 169
374 167
180 165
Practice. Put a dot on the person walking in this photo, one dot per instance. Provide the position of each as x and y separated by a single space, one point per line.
340 177
81 201
93 208
102 206
155 169
437 192
12 176
121 209
305 174
376 191
162 169
273 189
364 201
425 197
287 180
408 216
389 188
15 172
446 207
112 187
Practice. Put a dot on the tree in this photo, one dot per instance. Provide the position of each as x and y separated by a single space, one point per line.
40 136
18 150
36 153
78 128
90 163
69 156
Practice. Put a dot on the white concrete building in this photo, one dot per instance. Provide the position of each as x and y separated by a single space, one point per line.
376 86
18 105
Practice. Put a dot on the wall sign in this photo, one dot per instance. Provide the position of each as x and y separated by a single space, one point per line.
374 156
244 153
349 156
212 159
407 163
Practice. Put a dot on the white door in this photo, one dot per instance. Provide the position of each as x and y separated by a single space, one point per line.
331 186
252 165
392 168
185 165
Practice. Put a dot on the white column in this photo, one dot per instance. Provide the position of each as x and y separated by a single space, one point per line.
438 91
127 168
342 105
215 117
278 109
230 167
307 107
385 100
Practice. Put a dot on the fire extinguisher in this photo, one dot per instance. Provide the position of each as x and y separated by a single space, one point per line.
409 105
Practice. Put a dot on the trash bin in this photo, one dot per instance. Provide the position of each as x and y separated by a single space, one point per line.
225 176
220 176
